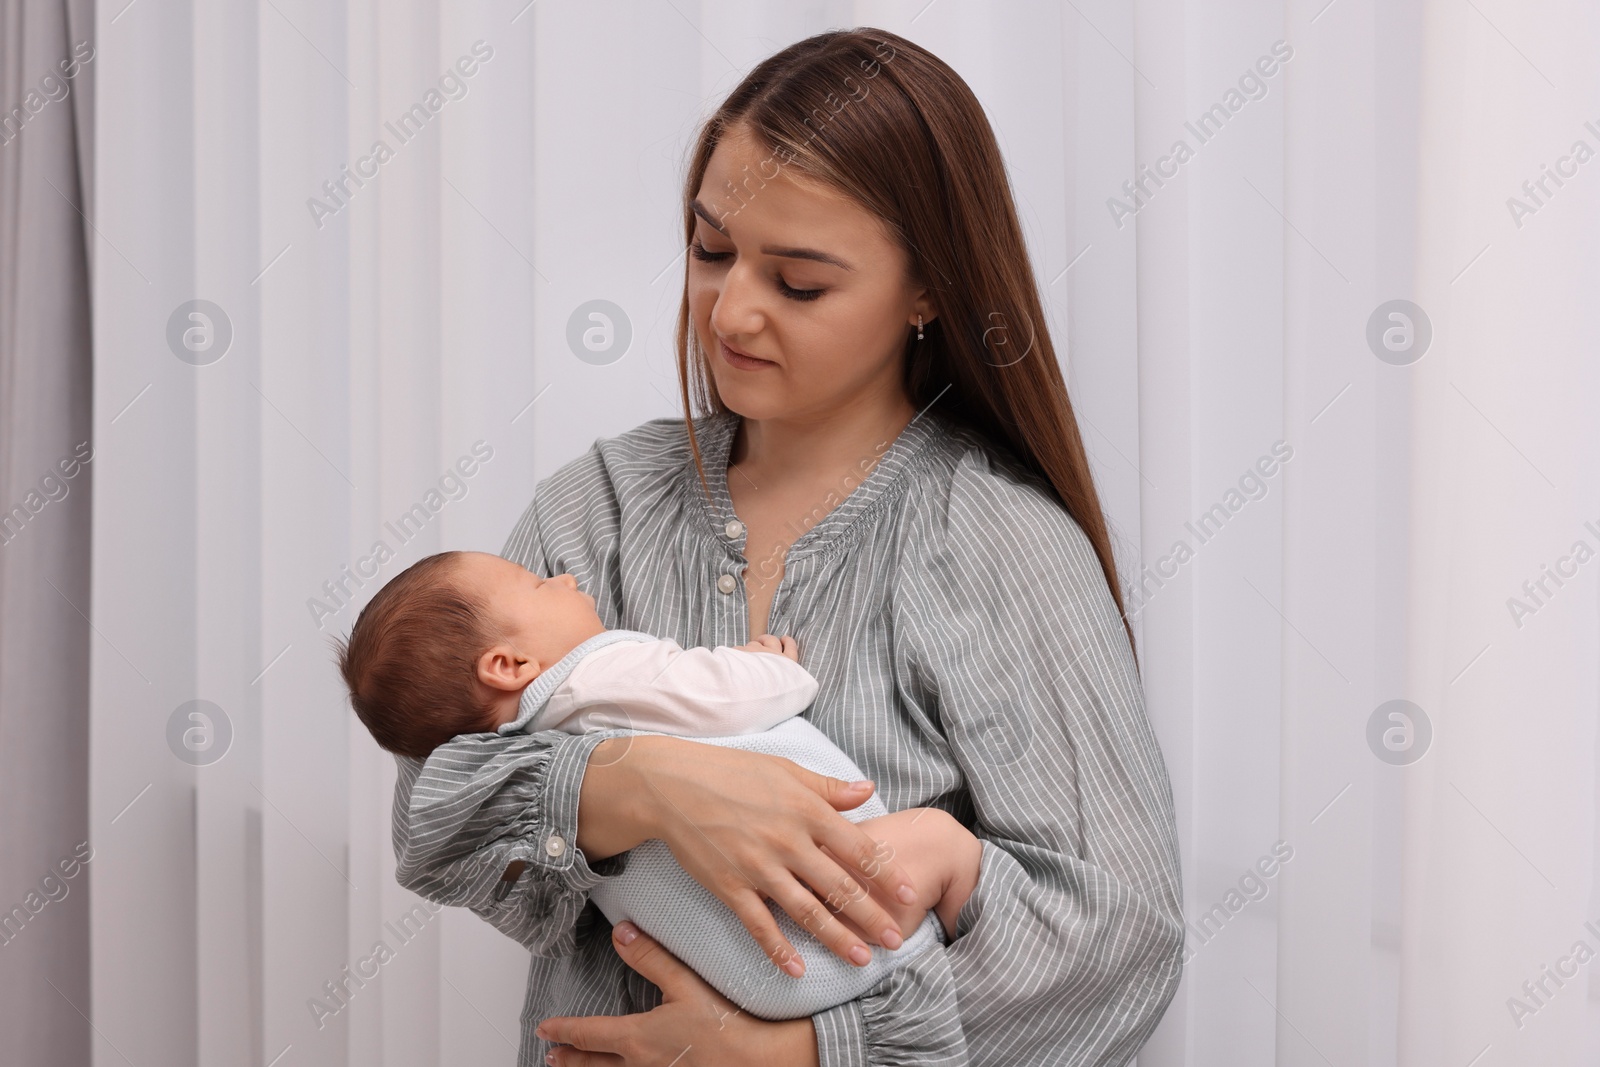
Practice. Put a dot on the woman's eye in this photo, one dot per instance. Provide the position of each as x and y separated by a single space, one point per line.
705 255
797 294
699 252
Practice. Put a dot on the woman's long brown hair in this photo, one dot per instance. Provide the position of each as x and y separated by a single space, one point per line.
891 125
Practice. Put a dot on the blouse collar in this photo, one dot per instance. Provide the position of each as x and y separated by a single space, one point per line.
715 433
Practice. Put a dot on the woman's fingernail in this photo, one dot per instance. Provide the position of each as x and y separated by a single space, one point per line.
891 938
626 932
906 894
550 1058
865 783
860 956
796 966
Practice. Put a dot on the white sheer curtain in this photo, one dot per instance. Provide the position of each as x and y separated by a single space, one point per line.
1354 518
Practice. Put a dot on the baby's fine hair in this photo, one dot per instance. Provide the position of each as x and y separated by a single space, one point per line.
410 661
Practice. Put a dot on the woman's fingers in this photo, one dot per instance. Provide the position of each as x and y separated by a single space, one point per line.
587 1040
575 1057
840 794
661 968
751 909
814 911
851 844
867 864
817 916
906 917
748 835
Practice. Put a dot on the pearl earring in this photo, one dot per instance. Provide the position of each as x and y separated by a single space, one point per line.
919 327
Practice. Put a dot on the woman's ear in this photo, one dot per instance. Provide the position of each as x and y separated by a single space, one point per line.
503 668
924 307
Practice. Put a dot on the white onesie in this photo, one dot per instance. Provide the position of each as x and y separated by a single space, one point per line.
623 679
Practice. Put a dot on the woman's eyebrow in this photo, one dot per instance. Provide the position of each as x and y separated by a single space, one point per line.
806 253
770 250
700 209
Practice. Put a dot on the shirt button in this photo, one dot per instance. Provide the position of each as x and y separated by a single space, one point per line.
727 583
554 845
734 529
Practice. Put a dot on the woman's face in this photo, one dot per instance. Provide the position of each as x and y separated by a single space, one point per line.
801 299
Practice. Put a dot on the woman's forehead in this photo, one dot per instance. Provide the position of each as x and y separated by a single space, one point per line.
755 197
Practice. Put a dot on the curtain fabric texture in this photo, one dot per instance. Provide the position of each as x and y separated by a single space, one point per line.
1324 274
47 79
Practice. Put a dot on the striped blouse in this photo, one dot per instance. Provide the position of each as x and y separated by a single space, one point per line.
970 658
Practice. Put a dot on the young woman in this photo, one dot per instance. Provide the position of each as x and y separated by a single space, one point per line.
885 465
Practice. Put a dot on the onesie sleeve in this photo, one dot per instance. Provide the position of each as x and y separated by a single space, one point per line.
695 692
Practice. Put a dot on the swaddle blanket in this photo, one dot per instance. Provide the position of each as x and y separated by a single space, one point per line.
661 898
631 680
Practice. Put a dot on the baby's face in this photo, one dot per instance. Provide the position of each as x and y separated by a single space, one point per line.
544 617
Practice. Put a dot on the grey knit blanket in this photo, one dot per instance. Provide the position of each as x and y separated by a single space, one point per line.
661 898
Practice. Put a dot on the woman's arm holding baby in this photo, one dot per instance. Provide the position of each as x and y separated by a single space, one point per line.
750 828
940 855
678 1024
642 787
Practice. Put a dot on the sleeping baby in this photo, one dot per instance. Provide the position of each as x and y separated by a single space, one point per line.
467 642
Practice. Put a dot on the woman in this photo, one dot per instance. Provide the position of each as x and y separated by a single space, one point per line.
888 468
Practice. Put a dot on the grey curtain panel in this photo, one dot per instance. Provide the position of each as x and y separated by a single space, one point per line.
46 469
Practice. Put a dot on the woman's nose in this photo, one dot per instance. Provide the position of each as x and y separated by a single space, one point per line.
737 311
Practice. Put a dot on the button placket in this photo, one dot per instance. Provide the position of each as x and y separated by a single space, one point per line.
728 582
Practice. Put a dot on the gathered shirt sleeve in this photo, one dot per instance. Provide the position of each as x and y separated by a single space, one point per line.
490 823
1070 947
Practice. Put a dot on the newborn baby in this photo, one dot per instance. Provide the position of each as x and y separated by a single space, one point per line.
467 642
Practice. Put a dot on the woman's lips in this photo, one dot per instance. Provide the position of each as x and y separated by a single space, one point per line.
742 361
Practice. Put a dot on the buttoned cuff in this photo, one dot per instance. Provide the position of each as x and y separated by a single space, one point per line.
841 1036
556 849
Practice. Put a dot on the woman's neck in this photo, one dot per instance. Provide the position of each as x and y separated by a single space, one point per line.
778 450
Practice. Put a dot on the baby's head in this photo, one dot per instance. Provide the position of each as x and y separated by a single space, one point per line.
450 643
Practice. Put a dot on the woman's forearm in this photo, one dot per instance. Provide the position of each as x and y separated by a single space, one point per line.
750 827
612 810
792 1044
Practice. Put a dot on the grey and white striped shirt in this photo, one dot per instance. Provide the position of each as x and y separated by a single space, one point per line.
970 658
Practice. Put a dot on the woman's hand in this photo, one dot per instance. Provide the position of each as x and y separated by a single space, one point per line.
694 1026
749 827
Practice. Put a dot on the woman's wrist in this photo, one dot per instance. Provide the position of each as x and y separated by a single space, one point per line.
611 815
792 1043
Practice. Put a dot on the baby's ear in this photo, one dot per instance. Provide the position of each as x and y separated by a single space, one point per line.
499 667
